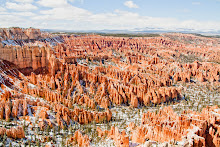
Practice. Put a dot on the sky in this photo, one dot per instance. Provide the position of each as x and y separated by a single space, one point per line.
199 15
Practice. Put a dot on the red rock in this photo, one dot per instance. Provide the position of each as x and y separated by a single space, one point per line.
16 133
79 139
134 101
120 139
2 131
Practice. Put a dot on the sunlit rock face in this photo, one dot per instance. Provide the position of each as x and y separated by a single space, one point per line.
194 128
15 133
26 58
82 86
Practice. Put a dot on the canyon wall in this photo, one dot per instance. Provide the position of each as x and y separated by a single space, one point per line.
27 59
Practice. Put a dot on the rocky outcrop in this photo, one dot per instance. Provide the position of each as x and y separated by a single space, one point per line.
19 34
120 138
27 59
15 132
193 128
79 140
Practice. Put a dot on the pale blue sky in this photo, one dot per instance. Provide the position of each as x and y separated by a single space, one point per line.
111 14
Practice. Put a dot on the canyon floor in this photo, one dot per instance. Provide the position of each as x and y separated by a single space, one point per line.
93 90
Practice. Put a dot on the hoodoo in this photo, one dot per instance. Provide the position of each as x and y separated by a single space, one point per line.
93 90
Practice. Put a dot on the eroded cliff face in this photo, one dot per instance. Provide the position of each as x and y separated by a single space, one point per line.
29 49
19 34
27 59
